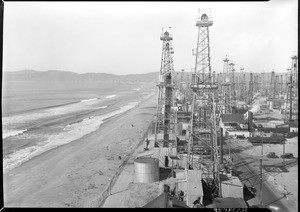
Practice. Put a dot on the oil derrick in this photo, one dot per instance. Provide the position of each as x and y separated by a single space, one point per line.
165 115
233 91
264 88
277 85
250 92
272 87
291 105
281 91
237 85
183 88
226 88
256 84
202 145
242 95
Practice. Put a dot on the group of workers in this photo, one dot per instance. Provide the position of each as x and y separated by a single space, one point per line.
180 194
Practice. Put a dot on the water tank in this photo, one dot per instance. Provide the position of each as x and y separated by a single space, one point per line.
146 170
204 17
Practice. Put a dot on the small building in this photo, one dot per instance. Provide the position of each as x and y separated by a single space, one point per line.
287 127
232 121
231 186
165 200
163 155
293 126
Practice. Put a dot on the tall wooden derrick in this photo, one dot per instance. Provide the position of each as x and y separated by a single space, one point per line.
250 91
242 89
233 85
202 145
165 114
226 88
291 104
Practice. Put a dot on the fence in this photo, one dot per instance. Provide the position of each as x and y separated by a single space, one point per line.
114 178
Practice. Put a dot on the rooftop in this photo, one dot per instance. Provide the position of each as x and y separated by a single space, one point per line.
232 118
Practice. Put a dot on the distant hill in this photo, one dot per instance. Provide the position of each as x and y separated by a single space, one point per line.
57 75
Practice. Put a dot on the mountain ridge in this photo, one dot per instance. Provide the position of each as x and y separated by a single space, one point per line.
60 75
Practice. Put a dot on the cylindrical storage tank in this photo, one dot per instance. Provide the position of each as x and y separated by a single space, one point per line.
146 170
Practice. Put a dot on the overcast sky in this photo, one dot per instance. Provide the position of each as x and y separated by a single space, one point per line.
124 37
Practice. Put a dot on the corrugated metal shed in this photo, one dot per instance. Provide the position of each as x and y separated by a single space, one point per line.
194 186
232 118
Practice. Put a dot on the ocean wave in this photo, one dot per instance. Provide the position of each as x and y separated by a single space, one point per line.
11 132
71 132
88 100
102 107
19 120
110 96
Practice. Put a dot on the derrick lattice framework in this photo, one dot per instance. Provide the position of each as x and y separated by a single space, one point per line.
233 88
226 88
291 104
202 145
242 90
165 115
250 91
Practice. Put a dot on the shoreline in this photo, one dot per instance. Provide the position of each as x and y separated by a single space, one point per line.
105 121
81 168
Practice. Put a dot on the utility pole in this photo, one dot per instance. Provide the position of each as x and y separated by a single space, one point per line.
261 184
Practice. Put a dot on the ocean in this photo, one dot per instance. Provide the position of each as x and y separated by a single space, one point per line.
40 116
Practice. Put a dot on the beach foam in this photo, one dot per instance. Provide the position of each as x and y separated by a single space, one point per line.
102 107
71 132
110 96
11 132
88 100
10 123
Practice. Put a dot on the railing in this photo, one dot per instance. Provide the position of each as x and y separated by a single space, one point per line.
113 179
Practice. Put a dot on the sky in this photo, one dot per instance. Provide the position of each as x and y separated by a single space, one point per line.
124 37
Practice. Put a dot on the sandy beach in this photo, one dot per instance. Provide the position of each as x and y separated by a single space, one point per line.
75 174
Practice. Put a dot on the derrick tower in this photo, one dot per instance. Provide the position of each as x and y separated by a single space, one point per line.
203 135
291 105
226 87
277 85
242 95
165 115
256 83
272 89
281 85
250 93
233 91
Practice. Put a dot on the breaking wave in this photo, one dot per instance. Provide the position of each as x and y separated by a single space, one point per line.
10 132
110 96
70 133
88 100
